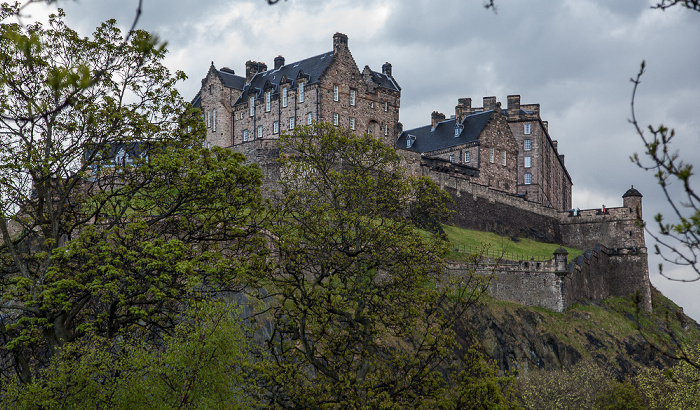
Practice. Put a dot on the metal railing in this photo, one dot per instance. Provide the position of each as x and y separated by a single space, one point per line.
492 253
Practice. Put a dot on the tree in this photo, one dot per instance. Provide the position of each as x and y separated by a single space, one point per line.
113 218
361 300
202 365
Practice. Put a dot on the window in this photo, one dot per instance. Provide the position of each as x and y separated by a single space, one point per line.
309 118
386 106
301 92
527 162
285 90
527 145
352 123
267 102
276 127
208 119
528 178
386 129
503 160
251 105
213 120
467 156
291 123
335 93
245 135
260 134
526 128
352 97
336 119
452 158
492 154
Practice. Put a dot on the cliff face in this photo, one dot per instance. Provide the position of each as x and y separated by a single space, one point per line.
519 338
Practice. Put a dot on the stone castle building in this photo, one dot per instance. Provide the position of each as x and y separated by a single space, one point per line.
500 166
247 113
509 150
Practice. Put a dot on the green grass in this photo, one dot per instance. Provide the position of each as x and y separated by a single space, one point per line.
522 249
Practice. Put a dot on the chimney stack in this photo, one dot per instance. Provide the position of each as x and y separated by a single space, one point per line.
489 103
435 118
386 69
279 62
514 106
252 68
340 43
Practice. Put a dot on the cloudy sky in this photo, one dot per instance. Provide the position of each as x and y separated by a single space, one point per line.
573 57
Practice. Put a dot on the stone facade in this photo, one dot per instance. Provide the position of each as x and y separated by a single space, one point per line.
480 147
325 88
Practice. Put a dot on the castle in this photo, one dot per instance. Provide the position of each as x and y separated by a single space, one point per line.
500 166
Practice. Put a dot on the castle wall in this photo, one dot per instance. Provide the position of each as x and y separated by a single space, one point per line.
614 228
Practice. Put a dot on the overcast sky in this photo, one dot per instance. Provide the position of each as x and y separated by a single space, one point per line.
573 57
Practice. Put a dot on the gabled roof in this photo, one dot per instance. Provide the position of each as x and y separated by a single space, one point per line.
443 136
230 79
311 69
385 81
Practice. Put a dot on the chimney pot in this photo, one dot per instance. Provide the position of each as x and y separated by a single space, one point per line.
386 69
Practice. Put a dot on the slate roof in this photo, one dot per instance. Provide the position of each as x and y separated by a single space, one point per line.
385 81
230 80
311 69
443 136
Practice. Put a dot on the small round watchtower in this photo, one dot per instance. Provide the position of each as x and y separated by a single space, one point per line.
632 199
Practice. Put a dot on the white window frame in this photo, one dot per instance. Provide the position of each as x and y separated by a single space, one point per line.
527 162
260 131
527 129
353 96
285 96
291 123
245 135
213 120
268 101
452 158
492 155
301 92
276 127
527 145
251 106
336 119
352 123
386 129
527 178
503 159
336 91
386 105
208 119
467 156
309 118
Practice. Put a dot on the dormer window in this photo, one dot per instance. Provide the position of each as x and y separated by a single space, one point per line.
410 140
458 129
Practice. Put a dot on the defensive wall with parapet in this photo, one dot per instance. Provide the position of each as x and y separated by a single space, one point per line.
614 262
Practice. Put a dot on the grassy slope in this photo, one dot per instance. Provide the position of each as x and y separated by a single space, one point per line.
522 249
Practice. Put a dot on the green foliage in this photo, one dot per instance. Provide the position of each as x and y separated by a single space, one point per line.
620 396
362 307
674 388
575 388
203 366
91 246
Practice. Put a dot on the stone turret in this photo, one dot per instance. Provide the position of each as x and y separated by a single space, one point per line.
632 199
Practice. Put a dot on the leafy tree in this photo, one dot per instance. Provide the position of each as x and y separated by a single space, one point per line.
113 218
203 365
362 303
